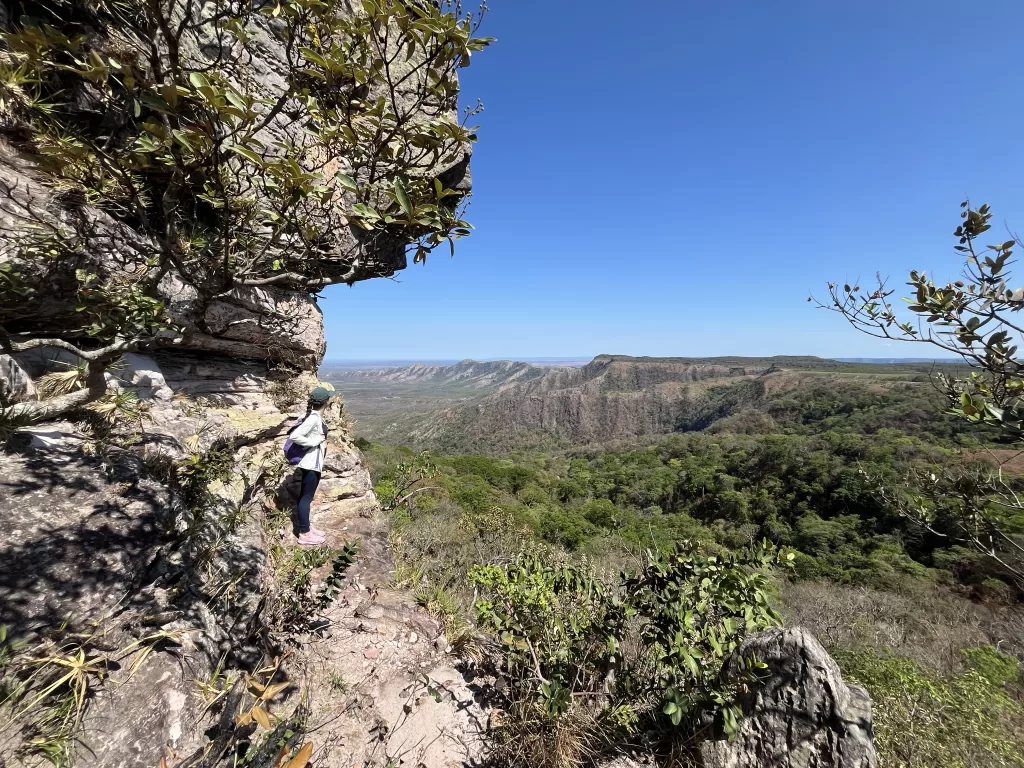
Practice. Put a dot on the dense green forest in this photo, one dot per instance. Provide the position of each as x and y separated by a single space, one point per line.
802 471
912 613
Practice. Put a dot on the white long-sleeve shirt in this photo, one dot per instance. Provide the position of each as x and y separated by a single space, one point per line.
311 435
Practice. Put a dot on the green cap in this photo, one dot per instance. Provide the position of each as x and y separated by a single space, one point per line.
320 394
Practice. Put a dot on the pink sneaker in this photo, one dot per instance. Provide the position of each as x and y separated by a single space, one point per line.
311 539
317 532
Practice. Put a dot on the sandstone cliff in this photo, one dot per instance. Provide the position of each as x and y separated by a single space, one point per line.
613 397
479 375
150 548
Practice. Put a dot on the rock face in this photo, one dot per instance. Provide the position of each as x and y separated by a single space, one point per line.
104 545
470 373
15 384
802 716
269 321
159 525
612 397
78 534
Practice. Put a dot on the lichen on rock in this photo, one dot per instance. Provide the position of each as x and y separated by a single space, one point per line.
801 714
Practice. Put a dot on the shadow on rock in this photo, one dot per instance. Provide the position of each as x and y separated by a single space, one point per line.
80 533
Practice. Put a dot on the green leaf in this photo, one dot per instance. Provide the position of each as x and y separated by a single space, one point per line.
247 153
346 181
403 198
198 80
315 57
236 98
153 101
183 140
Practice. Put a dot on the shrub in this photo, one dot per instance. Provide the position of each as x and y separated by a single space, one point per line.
558 624
560 630
922 720
601 513
300 600
992 664
588 661
696 610
562 527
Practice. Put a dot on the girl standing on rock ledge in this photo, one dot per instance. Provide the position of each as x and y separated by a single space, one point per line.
311 434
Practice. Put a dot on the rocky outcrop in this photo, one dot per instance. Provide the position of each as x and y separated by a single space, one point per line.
149 533
102 546
15 384
469 373
801 715
611 398
271 321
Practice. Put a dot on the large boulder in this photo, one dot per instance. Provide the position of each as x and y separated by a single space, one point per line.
802 714
15 384
141 374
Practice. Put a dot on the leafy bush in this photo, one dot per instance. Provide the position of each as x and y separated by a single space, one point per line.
560 526
558 625
695 611
300 601
588 661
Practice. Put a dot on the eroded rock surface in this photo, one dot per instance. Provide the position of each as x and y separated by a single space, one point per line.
15 384
78 535
99 545
802 716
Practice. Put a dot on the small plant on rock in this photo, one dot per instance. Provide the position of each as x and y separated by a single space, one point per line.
695 611
300 599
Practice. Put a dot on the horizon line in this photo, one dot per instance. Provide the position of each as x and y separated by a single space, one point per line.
529 358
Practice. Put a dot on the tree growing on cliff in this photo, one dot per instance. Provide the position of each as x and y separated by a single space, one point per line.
160 156
975 319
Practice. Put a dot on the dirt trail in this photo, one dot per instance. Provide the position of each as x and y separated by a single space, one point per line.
375 676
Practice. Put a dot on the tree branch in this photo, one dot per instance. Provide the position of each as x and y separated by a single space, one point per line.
45 410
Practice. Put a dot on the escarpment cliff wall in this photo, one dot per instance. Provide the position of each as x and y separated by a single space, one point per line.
149 527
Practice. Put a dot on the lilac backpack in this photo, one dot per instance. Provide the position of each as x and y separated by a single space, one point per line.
293 452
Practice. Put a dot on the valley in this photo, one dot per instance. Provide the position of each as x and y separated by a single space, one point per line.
492 407
224 549
606 465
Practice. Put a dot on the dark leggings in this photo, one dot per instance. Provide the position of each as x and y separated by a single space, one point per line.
310 480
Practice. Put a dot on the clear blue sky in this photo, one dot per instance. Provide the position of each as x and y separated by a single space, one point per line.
674 178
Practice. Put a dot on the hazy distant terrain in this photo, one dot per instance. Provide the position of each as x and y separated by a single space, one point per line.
392 403
497 405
